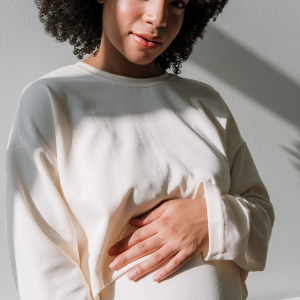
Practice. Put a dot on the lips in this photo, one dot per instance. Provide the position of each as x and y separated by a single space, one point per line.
147 40
149 37
144 43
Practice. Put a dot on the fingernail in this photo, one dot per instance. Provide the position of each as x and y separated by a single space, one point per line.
156 277
132 275
113 265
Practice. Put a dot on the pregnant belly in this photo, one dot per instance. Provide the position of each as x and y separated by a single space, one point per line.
195 280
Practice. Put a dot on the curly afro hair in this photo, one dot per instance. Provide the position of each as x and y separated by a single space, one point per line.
80 22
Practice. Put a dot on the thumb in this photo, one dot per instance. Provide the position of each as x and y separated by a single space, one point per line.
149 216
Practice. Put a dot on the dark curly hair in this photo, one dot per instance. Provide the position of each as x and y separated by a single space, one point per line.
80 22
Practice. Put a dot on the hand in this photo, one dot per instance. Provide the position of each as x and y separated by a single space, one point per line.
176 227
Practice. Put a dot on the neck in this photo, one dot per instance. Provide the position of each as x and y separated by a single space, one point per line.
108 59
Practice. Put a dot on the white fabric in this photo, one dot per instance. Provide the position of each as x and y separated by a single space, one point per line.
89 150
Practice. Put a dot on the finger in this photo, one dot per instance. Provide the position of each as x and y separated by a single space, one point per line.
132 239
156 259
139 250
174 264
150 216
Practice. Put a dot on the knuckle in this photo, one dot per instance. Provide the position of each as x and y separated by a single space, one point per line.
169 232
177 261
142 246
136 236
182 238
164 221
122 258
158 257
193 248
139 270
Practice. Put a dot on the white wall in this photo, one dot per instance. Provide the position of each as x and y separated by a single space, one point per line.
251 56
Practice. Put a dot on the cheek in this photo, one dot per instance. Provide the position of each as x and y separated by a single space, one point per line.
126 13
174 25
117 17
122 12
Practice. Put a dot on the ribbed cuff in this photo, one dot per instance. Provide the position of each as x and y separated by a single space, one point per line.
215 222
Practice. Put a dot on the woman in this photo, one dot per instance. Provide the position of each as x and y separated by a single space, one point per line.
114 137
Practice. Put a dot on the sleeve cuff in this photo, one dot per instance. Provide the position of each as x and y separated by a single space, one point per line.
215 222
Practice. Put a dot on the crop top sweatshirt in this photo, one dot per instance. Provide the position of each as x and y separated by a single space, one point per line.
89 150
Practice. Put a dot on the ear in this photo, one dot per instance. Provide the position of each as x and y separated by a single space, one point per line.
100 1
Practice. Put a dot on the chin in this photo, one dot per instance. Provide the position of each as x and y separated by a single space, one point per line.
142 60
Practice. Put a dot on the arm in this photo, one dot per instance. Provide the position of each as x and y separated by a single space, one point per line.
41 237
240 222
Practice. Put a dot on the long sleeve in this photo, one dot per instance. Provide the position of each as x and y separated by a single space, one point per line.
240 222
41 237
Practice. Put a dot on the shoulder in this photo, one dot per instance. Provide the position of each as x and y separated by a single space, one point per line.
201 94
207 100
34 123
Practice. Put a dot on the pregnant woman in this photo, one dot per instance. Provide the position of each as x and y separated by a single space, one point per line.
124 181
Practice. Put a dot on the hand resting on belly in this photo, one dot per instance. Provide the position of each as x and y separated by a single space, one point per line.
176 228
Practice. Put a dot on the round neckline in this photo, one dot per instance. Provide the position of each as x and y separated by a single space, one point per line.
124 80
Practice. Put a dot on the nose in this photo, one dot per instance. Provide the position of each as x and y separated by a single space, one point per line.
156 13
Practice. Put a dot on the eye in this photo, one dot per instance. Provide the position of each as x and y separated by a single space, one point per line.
183 5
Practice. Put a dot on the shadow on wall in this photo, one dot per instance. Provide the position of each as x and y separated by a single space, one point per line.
245 71
295 153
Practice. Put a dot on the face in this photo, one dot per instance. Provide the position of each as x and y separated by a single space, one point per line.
125 21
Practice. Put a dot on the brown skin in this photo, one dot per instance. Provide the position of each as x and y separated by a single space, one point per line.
118 52
177 227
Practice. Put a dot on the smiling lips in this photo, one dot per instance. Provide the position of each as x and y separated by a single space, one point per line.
146 41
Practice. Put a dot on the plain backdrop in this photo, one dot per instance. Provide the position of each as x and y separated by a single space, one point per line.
250 55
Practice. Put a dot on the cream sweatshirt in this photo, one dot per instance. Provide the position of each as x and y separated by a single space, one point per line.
89 150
